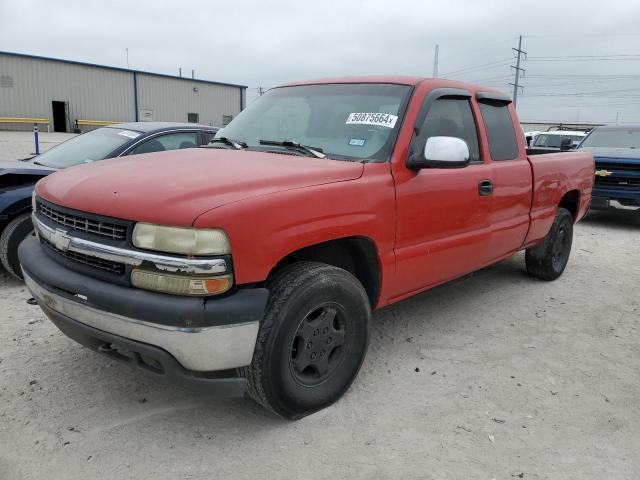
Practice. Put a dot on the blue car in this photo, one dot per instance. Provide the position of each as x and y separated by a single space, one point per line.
17 178
616 150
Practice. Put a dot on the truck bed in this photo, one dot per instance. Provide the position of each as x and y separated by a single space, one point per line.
554 176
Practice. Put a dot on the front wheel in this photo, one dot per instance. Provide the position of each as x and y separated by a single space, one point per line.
15 232
548 260
312 340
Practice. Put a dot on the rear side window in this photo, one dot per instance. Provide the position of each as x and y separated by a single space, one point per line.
500 132
451 117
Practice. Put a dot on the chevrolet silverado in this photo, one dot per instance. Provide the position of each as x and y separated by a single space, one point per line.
254 263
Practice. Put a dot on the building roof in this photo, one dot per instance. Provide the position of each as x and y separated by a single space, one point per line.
106 67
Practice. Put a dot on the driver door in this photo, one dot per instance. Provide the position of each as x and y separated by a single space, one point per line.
443 215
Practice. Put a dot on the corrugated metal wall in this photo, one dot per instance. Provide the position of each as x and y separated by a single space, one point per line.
172 99
28 87
92 93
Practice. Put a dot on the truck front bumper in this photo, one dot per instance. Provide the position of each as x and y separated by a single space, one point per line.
197 342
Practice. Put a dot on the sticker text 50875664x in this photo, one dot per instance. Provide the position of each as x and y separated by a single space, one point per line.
379 119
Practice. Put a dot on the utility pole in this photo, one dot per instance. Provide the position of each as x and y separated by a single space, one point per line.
127 50
517 68
180 72
260 91
193 74
435 62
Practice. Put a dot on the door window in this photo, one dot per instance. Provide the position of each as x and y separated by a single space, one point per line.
451 117
171 141
500 132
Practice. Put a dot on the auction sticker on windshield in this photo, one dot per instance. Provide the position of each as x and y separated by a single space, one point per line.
378 119
129 133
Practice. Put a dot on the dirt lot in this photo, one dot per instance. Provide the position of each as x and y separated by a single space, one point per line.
492 376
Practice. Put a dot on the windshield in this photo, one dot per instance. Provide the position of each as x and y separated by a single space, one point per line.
85 148
344 121
555 141
613 138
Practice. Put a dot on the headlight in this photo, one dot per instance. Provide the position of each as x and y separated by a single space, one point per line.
187 241
179 284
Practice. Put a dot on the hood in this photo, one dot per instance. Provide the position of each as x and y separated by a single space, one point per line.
604 153
16 174
24 168
175 187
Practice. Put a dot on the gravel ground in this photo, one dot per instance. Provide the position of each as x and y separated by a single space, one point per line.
493 376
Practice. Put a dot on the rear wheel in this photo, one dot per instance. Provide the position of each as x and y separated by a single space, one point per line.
312 340
548 260
15 232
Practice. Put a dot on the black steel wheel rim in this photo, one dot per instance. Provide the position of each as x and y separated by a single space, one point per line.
559 255
319 344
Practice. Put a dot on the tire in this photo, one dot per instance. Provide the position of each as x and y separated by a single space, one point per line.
548 260
312 340
14 233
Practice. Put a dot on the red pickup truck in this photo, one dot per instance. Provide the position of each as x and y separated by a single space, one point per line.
255 263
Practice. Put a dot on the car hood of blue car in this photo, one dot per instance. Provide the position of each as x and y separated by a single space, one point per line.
28 167
623 153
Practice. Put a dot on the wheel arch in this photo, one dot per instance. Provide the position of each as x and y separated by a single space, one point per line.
356 254
571 201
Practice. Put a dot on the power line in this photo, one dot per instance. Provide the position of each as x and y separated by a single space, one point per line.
587 57
482 66
584 35
479 49
580 94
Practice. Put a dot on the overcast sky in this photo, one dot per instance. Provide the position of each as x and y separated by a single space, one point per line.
583 58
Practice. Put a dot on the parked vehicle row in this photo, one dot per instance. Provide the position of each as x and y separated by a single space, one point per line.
617 155
255 263
18 178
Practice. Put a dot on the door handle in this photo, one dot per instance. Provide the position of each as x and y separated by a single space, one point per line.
485 187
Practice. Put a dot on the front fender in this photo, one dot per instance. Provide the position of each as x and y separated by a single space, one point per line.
14 201
265 229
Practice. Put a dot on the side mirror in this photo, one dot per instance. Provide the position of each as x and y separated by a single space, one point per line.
566 144
443 152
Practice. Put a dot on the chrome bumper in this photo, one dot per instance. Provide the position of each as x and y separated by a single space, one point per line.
198 349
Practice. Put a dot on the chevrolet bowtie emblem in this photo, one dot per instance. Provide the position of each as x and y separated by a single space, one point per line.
60 239
603 173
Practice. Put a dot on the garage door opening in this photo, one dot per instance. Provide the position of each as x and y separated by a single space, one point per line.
60 111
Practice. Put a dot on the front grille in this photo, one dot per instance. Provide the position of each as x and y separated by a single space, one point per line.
618 182
617 166
99 263
84 224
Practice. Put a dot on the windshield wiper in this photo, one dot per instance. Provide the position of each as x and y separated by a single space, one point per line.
316 152
228 141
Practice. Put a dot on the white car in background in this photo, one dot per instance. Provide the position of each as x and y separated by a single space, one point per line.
531 136
553 140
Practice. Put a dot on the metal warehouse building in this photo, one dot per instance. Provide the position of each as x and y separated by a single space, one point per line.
63 95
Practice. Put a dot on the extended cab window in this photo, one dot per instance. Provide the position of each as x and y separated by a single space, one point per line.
451 117
500 132
171 141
